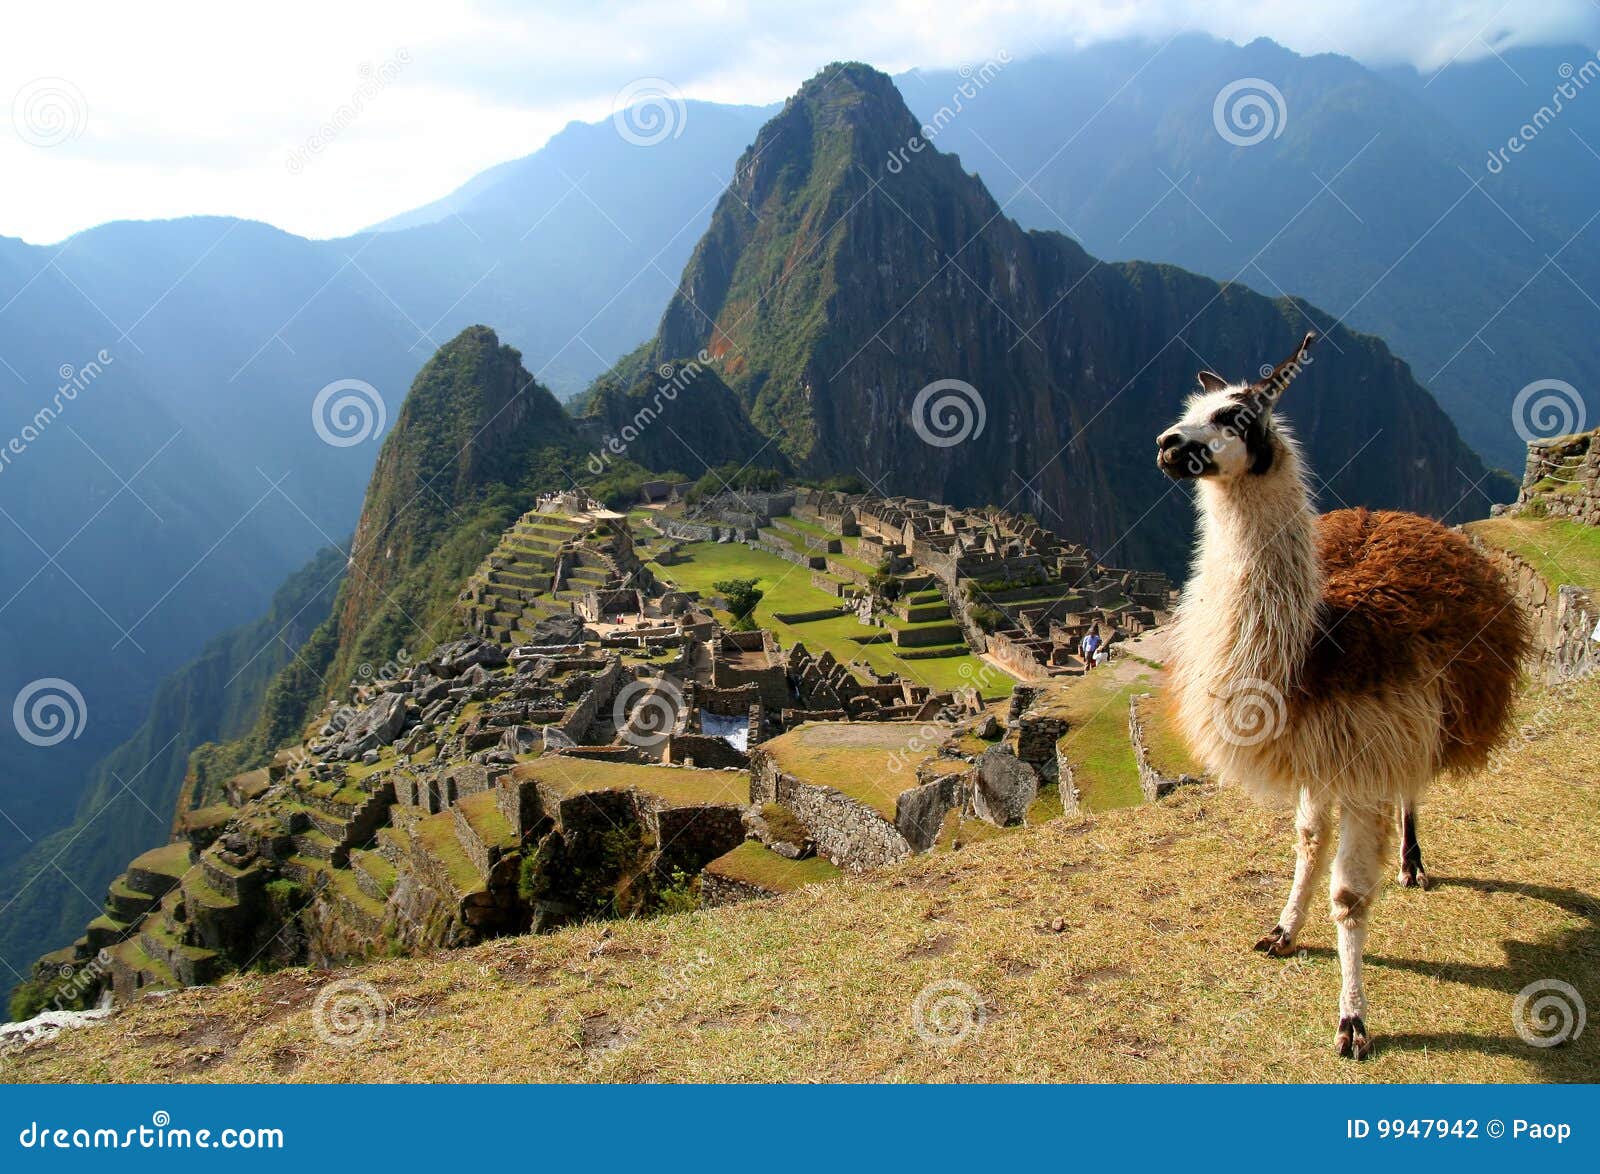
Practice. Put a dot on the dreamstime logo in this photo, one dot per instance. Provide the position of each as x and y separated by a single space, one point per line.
49 111
948 411
348 1012
1249 712
1572 83
648 111
373 80
1547 408
48 711
1249 111
646 711
346 412
947 1011
1549 1012
973 81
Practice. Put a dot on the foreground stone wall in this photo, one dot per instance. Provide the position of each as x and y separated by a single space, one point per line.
1563 620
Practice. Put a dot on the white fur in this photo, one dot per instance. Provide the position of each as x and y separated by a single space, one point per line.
1240 637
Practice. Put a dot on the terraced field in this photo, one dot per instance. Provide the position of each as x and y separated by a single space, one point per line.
789 591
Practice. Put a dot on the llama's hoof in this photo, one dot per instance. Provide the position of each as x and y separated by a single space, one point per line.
1413 879
1277 942
1352 1042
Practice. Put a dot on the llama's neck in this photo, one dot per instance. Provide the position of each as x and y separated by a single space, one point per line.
1257 575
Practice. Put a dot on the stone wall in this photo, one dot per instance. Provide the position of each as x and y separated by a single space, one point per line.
1562 478
845 832
1152 782
1563 620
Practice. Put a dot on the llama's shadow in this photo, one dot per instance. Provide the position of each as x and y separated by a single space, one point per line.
1570 953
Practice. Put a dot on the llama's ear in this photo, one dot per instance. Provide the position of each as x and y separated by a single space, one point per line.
1270 386
1211 381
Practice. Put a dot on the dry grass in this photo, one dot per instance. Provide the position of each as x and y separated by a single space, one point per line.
1150 977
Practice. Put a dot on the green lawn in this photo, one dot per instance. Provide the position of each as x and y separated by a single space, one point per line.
678 786
1096 742
788 589
872 762
1563 551
755 864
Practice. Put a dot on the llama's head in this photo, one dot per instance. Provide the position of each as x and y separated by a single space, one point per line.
1227 429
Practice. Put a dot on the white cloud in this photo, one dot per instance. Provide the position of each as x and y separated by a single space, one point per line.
197 109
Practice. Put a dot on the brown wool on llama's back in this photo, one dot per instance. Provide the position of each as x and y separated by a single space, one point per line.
1404 597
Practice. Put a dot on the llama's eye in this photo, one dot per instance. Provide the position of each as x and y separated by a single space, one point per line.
1226 418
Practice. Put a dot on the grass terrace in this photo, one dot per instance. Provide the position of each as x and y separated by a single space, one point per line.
789 590
1096 743
676 786
1563 551
755 864
872 762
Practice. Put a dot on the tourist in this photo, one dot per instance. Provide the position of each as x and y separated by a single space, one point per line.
1089 645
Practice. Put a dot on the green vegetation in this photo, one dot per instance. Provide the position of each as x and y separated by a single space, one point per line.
872 762
787 589
1563 551
732 476
783 823
741 596
753 864
674 785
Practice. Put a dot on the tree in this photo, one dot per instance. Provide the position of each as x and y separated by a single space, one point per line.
883 584
741 596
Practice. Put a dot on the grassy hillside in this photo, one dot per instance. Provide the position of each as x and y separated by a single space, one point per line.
1104 947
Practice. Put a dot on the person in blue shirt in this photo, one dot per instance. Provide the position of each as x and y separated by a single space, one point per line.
1088 646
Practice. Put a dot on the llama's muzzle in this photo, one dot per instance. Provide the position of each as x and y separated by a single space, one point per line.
1181 457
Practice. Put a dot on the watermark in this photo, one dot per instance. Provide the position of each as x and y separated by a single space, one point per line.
1249 111
974 81
373 80
673 379
347 412
1547 408
947 412
649 110
160 1134
1249 711
348 1012
646 711
73 381
1573 83
948 1011
49 111
1549 1012
78 981
388 671
48 711
678 983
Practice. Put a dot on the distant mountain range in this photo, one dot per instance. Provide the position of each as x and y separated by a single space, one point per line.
168 500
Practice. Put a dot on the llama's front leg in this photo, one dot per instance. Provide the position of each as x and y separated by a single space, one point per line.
1412 874
1365 835
1312 824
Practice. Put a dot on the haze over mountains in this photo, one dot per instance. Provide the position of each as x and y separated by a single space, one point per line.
172 498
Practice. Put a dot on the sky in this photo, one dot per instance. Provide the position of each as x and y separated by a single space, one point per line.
322 118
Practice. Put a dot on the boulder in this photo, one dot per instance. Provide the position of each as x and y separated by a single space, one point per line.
453 659
377 725
1005 788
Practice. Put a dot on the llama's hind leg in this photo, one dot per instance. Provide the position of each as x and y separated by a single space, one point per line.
1412 874
1312 824
1365 836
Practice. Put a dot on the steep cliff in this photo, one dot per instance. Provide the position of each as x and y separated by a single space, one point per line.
851 265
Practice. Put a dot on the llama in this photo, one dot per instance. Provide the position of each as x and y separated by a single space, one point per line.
1342 660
